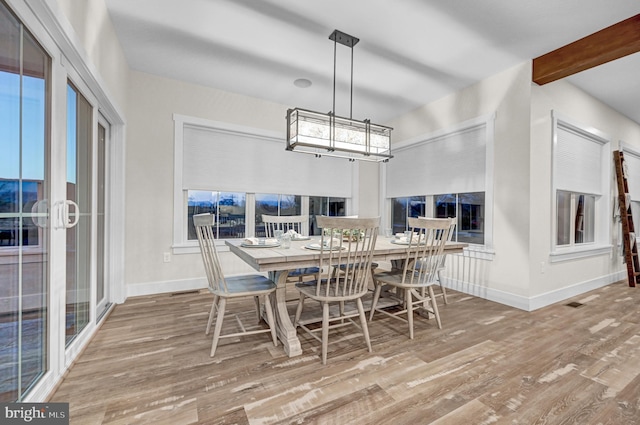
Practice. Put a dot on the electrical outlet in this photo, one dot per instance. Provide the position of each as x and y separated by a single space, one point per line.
542 267
167 257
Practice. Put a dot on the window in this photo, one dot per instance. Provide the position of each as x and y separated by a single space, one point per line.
275 205
402 208
632 161
581 175
211 162
469 209
322 205
232 216
229 209
79 190
25 143
453 171
576 218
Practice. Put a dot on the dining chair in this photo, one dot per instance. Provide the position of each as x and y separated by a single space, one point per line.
422 263
349 286
443 291
297 223
284 223
224 289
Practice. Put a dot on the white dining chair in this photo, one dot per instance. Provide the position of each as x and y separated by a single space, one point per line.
350 285
443 291
285 223
421 266
224 289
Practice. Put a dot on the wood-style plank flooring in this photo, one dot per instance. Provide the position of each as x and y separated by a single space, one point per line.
490 364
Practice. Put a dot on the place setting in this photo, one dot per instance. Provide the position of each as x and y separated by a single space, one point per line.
406 238
317 246
260 243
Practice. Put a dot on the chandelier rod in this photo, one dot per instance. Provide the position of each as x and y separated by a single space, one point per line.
349 41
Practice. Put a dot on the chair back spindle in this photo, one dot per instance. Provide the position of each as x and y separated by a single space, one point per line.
425 252
206 238
297 223
346 241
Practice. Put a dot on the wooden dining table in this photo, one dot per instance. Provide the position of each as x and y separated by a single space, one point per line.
279 261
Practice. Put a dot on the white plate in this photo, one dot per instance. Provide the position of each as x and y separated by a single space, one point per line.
266 245
317 247
399 242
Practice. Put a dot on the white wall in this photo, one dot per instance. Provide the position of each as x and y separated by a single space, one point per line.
149 168
518 273
95 33
580 274
504 278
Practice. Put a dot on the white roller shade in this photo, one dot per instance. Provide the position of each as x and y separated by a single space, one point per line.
578 161
633 174
237 162
453 163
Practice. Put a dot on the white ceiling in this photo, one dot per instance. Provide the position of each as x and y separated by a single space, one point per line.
411 52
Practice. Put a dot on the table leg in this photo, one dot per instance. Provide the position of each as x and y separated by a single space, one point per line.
286 332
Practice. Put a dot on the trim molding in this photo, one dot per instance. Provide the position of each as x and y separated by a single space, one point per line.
161 287
167 286
538 301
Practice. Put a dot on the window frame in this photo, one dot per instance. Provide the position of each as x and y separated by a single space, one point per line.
487 122
602 230
181 244
573 216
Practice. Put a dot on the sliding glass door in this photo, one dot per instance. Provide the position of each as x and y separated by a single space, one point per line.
102 290
24 208
54 285
78 205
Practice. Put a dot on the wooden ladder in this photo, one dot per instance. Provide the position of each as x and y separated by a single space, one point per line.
628 230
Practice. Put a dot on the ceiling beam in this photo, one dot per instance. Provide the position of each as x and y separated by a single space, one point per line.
611 43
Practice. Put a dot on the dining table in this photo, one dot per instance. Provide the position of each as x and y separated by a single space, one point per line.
278 261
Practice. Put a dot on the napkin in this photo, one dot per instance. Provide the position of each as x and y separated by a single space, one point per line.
256 241
336 242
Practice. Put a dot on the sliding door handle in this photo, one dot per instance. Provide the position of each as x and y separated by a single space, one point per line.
66 216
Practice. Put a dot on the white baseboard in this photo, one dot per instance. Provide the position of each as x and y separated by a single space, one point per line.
563 294
537 301
502 297
167 286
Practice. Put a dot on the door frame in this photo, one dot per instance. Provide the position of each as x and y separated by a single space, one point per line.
52 30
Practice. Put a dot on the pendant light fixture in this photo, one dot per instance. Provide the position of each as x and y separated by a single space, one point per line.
332 135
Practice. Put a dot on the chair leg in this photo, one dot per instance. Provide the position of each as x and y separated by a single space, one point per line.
270 318
216 332
425 303
213 309
342 311
435 306
363 323
444 291
325 331
409 302
374 303
299 310
257 301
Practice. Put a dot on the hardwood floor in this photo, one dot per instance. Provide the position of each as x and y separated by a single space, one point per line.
490 364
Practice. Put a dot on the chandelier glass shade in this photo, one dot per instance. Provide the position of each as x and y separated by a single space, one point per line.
331 135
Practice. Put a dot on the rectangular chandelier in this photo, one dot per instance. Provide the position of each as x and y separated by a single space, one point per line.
326 134
331 135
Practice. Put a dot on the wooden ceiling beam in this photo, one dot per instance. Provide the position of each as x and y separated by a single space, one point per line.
611 43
